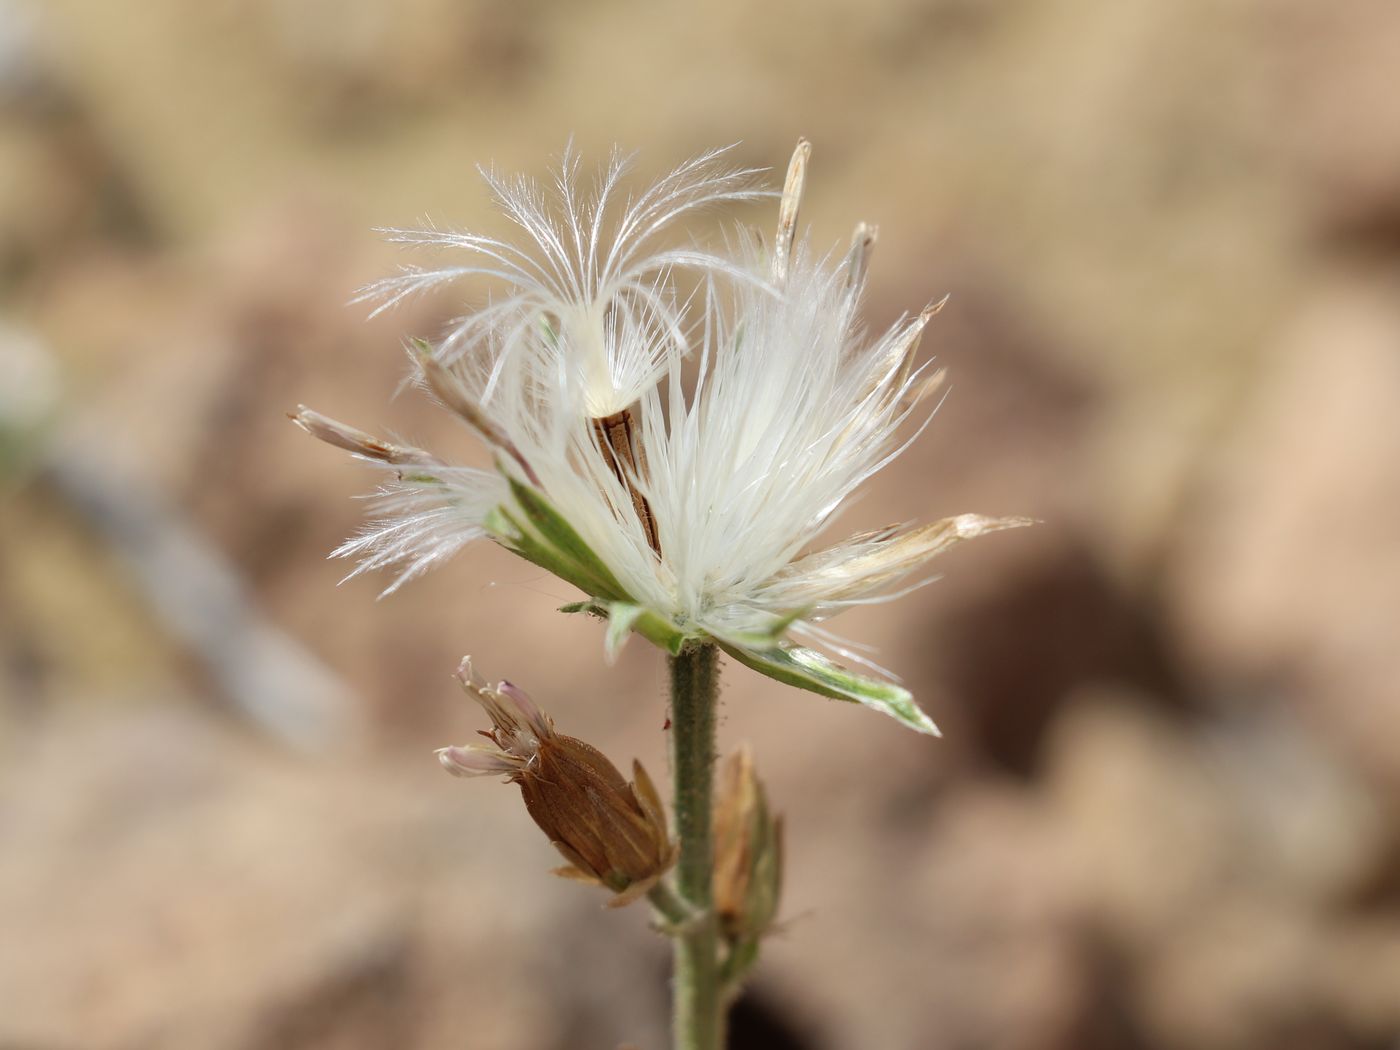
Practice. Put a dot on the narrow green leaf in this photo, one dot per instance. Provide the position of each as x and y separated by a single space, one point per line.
501 527
555 531
810 670
771 634
506 530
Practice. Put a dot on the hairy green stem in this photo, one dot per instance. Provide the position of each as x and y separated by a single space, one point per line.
698 1021
668 906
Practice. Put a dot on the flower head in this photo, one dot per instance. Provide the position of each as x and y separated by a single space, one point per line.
684 513
611 832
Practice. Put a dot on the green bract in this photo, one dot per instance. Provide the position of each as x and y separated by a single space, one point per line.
537 532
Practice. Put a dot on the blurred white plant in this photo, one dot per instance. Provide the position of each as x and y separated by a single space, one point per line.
684 516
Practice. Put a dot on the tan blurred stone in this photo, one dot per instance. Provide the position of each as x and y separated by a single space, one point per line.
1288 570
1212 858
174 886
1339 114
1360 971
898 942
1234 974
1244 973
991 890
1146 832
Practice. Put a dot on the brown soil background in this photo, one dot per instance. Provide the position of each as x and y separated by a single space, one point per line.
1164 816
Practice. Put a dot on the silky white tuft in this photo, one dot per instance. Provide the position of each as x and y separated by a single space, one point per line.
590 287
684 510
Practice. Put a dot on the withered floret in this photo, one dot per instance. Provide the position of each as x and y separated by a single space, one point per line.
612 832
748 852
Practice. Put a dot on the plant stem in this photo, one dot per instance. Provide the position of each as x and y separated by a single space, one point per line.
698 1024
670 907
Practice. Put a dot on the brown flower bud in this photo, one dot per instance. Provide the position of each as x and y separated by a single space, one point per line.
346 437
748 851
611 832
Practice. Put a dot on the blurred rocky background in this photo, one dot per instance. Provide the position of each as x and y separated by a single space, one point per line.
1164 816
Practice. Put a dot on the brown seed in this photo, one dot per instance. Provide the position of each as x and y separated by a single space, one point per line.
617 438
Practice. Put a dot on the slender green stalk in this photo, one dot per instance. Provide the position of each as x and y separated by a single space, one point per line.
668 906
698 1023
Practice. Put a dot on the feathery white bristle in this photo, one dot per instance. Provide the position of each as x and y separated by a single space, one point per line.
793 407
588 266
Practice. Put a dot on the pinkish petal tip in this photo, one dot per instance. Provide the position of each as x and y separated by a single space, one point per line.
537 719
474 761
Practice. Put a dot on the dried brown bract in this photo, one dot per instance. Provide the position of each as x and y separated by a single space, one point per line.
611 832
748 852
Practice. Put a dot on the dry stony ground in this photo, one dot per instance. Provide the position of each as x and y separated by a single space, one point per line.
1164 816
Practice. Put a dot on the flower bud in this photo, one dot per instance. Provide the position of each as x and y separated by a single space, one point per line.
748 852
611 832
333 432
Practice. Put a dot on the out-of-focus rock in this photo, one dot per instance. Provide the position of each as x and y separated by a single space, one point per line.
1334 84
1038 619
1359 971
974 896
1287 574
1162 818
1234 973
341 64
1142 815
991 905
171 886
1243 972
29 388
1307 824
1210 861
